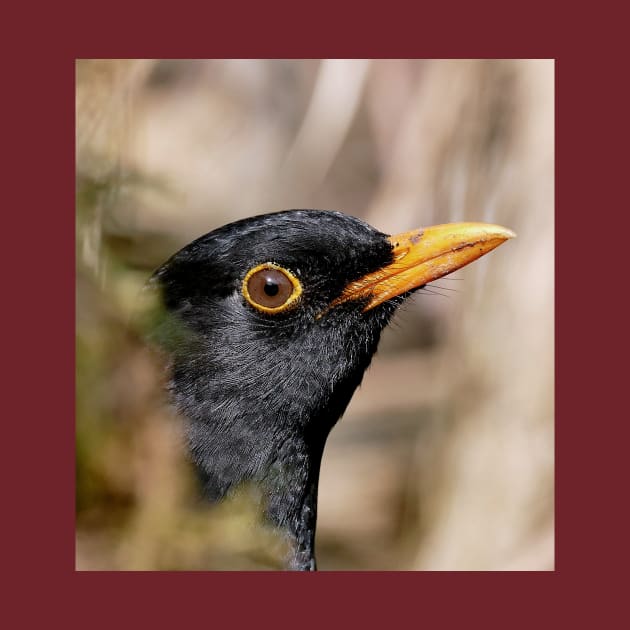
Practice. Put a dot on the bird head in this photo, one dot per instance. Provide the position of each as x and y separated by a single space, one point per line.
270 324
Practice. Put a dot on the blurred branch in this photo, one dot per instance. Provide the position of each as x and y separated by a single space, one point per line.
332 108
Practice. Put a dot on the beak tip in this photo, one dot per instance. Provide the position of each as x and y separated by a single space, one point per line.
498 231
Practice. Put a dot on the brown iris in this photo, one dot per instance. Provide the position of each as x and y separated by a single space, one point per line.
271 288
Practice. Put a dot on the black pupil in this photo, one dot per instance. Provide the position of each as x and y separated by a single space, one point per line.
271 288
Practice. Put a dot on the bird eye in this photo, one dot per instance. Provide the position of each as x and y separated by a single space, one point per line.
270 288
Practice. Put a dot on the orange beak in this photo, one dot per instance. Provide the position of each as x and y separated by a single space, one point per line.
424 255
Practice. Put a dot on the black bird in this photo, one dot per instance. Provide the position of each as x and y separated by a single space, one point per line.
270 324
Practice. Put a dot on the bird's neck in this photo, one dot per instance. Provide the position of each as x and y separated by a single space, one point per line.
283 466
302 556
301 530
270 428
292 502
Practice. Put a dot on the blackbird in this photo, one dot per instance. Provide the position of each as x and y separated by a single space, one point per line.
269 324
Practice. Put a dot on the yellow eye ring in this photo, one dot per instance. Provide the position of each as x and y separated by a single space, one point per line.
271 288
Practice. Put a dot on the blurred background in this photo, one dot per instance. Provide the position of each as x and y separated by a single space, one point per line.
445 458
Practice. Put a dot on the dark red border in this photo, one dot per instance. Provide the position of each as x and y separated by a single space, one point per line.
38 91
